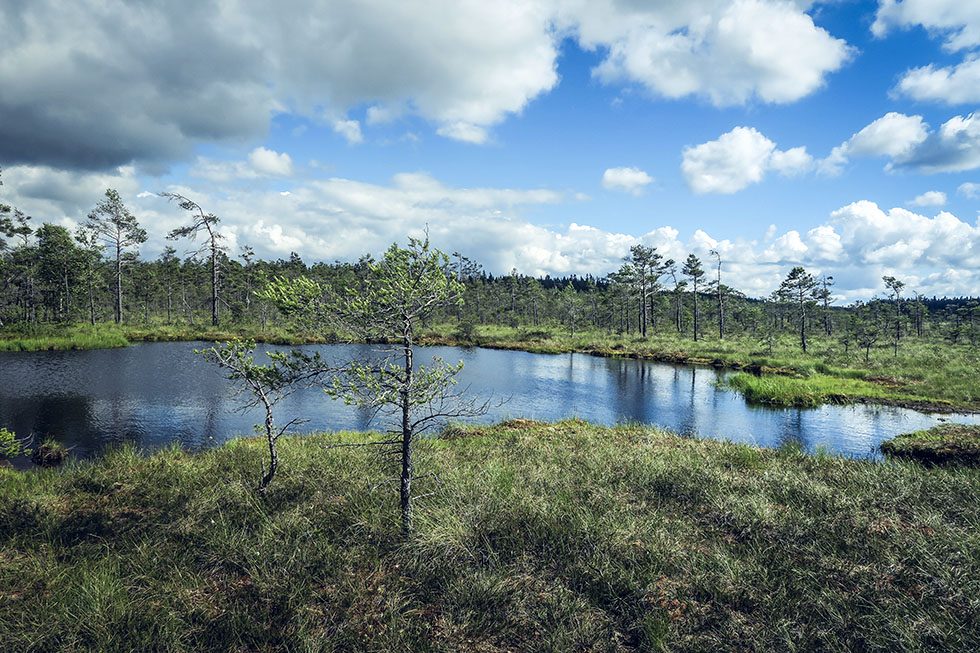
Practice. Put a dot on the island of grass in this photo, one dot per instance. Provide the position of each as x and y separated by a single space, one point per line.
532 537
946 444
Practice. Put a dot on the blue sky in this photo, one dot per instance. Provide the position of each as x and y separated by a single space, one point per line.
740 123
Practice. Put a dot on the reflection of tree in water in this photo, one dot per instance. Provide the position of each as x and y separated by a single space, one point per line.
791 432
630 395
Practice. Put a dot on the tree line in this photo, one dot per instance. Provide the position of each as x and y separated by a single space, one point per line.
49 274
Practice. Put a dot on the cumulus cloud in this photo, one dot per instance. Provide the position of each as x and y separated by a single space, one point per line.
957 21
136 95
959 84
728 52
628 179
958 24
930 198
969 189
261 162
268 162
96 85
738 159
350 130
910 144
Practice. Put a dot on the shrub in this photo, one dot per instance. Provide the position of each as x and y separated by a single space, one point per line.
10 446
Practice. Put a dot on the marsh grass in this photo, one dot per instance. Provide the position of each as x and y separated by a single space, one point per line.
534 537
945 444
108 336
58 338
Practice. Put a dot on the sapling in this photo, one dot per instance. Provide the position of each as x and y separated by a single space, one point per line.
267 385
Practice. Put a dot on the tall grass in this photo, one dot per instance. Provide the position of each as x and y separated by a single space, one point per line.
532 537
48 338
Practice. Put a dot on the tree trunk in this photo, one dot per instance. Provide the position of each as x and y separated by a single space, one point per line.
91 301
696 314
214 282
405 490
270 437
118 283
803 324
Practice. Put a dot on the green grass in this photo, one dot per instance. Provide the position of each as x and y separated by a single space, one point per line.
58 338
533 537
809 392
957 444
107 336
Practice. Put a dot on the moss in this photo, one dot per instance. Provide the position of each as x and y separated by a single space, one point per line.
946 444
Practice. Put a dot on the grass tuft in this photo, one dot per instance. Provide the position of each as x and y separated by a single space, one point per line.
946 444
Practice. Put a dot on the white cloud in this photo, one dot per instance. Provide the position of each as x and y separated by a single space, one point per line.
269 162
464 131
958 21
628 179
894 134
729 52
930 198
261 162
910 144
969 189
738 159
959 84
350 130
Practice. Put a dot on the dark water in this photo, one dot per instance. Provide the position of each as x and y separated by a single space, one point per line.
153 394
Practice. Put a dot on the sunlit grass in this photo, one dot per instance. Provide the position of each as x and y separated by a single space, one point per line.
957 444
55 338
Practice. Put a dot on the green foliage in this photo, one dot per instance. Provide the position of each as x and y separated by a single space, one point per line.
10 446
267 385
656 543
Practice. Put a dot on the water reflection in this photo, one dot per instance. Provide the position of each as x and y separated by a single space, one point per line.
156 393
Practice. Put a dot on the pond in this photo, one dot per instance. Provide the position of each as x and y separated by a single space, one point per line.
153 394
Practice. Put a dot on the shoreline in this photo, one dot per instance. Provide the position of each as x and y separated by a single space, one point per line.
794 384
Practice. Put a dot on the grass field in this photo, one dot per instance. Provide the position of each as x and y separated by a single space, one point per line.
107 336
533 537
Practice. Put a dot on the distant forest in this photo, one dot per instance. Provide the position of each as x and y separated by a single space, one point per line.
49 274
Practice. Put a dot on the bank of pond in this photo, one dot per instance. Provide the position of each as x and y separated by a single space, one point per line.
155 394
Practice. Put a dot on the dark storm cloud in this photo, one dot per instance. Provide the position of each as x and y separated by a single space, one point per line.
97 85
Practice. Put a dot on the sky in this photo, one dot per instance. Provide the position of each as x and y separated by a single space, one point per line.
546 136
